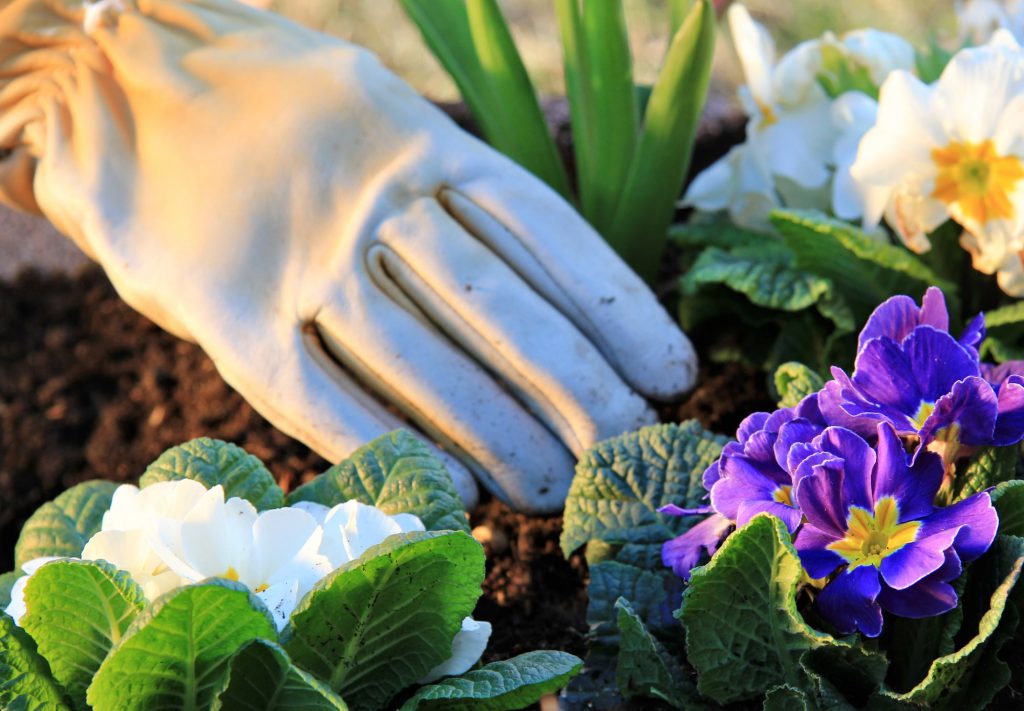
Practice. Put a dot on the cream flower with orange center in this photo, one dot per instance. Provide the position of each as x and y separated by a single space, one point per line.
954 149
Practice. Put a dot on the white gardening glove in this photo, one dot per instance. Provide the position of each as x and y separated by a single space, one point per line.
340 249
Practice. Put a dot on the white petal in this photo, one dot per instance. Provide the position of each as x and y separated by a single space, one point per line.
363 526
880 52
756 51
799 144
16 609
281 600
1011 275
712 189
467 648
286 544
795 78
317 511
124 513
408 522
36 563
975 88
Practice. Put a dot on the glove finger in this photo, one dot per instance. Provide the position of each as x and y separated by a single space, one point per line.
488 310
401 356
289 379
561 256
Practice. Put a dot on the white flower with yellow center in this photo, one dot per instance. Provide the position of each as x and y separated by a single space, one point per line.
353 527
952 150
789 157
274 553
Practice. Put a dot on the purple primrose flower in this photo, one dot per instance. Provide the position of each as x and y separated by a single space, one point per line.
911 373
749 478
869 514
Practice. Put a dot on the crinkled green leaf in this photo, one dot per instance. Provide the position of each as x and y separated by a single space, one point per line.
990 466
718 232
744 634
25 679
766 274
653 594
1008 498
380 622
512 684
1000 350
61 528
176 652
645 668
971 676
843 676
920 642
865 271
787 698
621 482
212 462
261 677
397 473
77 611
795 381
1009 315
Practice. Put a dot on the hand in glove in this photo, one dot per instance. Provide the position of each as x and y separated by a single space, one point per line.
337 246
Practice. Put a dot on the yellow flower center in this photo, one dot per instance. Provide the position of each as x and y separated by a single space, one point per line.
261 588
872 537
768 115
923 413
973 177
784 495
231 573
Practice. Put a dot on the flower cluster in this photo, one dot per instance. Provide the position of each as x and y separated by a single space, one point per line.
857 470
806 112
176 533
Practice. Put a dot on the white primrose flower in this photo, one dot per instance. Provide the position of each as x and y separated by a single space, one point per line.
274 553
952 150
979 20
353 527
795 129
16 609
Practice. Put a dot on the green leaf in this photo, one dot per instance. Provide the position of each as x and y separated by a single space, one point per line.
212 462
645 668
970 677
61 528
1008 498
795 381
999 350
25 680
379 623
662 158
863 270
397 473
932 61
653 595
77 611
766 275
1009 315
990 466
720 232
620 484
176 653
7 581
844 676
744 634
841 73
512 684
787 698
261 677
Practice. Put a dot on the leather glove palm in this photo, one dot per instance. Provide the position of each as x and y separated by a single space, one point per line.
334 242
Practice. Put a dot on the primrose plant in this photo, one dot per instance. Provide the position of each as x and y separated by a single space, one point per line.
206 587
861 545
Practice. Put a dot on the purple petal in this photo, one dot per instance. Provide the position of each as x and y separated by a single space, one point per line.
974 334
849 602
937 361
884 375
916 560
998 374
684 552
1010 405
836 396
933 309
751 424
913 488
975 519
818 495
789 515
808 410
858 464
894 318
812 545
813 460
792 433
972 406
929 597
742 483
712 474
673 510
